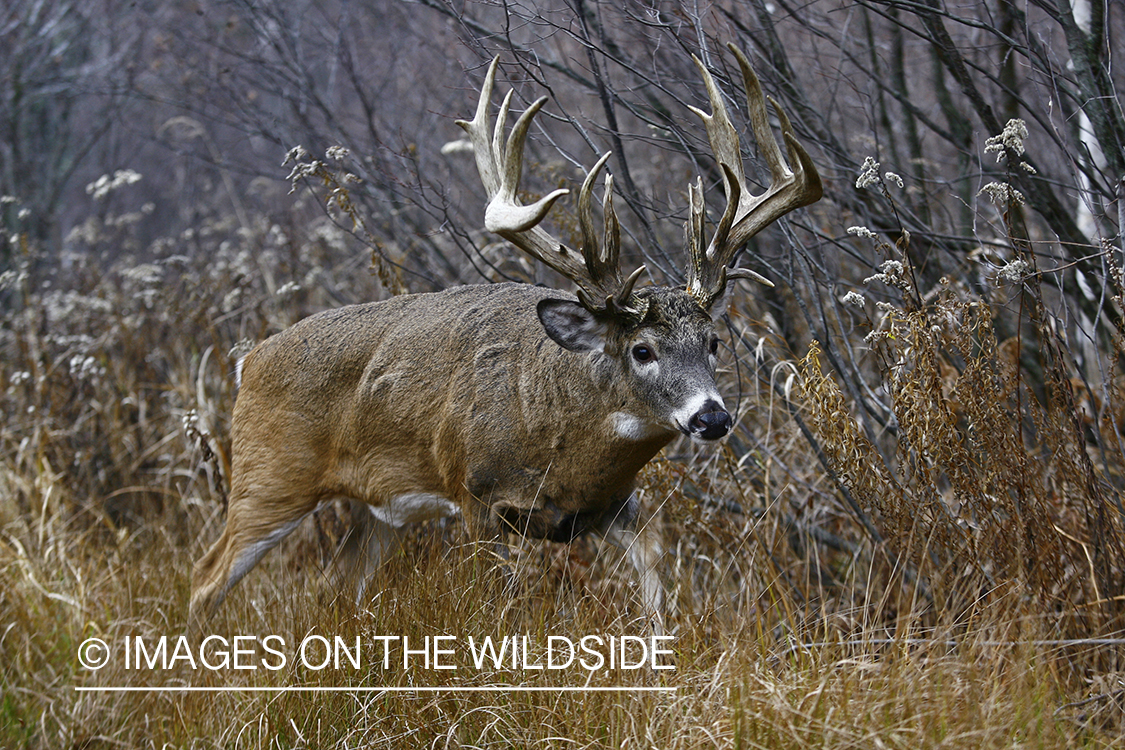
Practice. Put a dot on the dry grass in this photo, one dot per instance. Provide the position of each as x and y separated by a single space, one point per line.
844 587
736 683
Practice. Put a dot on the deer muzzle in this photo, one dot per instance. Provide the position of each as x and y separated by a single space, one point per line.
711 422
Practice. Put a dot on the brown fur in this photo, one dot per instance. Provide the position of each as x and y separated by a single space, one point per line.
459 394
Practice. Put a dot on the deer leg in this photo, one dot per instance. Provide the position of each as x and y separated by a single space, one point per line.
251 531
638 536
361 553
367 544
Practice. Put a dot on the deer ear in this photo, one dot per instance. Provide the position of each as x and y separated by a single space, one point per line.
572 326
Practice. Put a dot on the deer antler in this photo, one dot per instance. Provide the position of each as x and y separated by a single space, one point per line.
601 288
746 214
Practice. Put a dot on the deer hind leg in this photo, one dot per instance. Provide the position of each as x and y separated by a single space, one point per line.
252 530
637 534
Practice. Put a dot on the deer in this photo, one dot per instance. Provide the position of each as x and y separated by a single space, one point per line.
520 408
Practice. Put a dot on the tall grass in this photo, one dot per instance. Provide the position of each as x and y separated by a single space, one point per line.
938 578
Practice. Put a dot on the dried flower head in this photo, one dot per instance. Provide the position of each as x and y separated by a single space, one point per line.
106 184
297 153
1001 194
891 273
288 289
868 173
1011 138
1015 271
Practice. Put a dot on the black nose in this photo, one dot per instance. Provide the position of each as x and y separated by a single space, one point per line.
711 422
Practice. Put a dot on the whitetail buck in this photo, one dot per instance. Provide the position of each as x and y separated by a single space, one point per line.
525 409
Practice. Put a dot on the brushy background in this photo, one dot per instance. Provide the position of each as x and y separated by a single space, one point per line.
912 538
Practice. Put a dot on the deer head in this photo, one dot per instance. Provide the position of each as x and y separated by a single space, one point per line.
608 308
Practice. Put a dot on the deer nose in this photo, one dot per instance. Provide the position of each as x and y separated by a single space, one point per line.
711 422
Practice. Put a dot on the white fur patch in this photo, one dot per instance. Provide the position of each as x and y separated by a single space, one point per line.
692 406
632 427
253 553
413 508
238 372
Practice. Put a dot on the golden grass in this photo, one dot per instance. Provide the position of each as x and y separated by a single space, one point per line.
736 684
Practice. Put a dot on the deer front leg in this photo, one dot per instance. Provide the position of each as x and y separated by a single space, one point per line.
366 546
369 542
636 533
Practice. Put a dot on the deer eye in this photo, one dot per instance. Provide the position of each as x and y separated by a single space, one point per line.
643 354
714 346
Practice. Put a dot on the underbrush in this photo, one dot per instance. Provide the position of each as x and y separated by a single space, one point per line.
948 573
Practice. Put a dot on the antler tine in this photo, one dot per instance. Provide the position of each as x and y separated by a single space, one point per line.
623 301
600 286
693 230
747 214
602 263
590 251
612 227
477 130
759 118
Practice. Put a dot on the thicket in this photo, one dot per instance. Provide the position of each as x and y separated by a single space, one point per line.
913 535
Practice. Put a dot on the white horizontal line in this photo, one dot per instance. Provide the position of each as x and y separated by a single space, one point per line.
386 689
